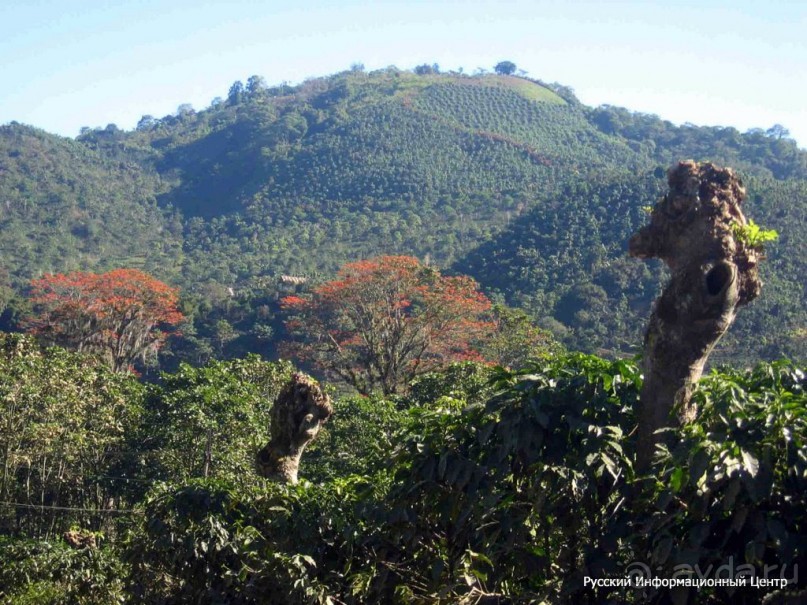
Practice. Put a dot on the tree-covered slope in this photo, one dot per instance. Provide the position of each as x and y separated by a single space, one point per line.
508 179
566 262
361 163
64 206
758 152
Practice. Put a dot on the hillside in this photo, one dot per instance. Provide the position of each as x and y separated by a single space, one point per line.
65 206
565 261
508 179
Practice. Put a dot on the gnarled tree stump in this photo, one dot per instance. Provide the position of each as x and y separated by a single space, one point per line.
297 415
80 538
693 229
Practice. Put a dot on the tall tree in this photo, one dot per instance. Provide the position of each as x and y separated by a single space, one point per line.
505 68
255 86
122 314
236 93
426 69
385 320
147 122
185 109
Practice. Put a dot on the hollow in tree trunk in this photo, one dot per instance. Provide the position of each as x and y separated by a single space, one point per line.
694 230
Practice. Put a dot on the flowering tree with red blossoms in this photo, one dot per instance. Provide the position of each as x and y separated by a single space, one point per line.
122 315
385 320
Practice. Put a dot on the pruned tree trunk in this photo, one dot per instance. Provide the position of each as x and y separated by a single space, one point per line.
693 229
208 454
297 415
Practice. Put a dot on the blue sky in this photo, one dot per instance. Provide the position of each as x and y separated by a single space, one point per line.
65 64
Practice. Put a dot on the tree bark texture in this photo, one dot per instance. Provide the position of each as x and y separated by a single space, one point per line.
693 229
298 413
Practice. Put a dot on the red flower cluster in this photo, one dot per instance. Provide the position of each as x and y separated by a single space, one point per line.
384 320
122 314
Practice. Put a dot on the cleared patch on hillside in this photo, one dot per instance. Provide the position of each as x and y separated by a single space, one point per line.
525 88
408 84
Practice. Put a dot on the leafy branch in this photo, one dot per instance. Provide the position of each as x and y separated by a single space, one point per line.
754 236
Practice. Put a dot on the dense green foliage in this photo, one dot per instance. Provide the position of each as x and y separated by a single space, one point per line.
66 425
761 153
505 178
35 573
210 421
481 484
732 491
79 443
585 283
520 497
566 262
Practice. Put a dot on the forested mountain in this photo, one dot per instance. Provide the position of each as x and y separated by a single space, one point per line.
441 477
507 179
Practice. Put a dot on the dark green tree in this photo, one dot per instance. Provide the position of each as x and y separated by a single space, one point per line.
65 421
185 109
255 86
505 68
426 69
147 122
210 421
236 93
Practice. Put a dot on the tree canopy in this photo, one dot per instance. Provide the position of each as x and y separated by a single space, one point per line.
385 320
122 314
505 68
